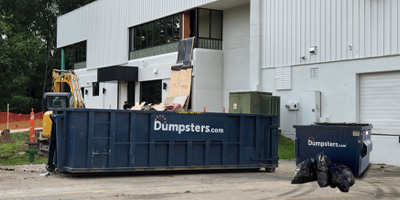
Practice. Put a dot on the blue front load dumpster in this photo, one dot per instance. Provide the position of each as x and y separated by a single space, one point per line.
94 140
348 144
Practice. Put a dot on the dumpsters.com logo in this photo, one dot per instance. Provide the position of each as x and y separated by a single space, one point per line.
312 142
161 124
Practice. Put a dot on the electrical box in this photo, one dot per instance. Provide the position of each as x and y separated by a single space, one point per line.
254 102
292 106
310 107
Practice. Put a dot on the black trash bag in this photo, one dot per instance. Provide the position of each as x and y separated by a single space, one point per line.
342 177
305 172
322 166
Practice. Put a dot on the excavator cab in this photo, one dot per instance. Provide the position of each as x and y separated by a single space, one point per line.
57 100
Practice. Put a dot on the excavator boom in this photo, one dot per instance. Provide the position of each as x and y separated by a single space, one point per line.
71 79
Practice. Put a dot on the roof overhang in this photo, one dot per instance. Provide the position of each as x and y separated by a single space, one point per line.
117 74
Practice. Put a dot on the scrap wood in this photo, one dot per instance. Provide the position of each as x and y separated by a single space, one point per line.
180 84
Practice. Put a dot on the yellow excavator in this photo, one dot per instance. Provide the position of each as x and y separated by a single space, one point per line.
59 99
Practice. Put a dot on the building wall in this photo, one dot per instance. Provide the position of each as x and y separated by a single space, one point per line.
338 84
207 80
104 24
236 49
154 68
351 37
341 29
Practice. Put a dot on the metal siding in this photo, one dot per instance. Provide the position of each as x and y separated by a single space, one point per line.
341 30
104 24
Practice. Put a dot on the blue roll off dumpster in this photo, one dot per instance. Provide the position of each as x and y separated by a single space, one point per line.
98 140
348 144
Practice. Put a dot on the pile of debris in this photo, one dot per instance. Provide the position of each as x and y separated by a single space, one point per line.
5 137
325 172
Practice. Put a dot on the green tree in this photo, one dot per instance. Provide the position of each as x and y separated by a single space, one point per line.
28 50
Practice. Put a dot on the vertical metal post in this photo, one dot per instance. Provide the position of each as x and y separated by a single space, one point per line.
62 68
62 59
8 114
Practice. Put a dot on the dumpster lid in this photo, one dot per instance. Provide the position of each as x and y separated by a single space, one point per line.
337 125
341 124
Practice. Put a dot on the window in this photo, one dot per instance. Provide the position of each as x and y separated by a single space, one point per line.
83 92
170 22
150 91
150 34
80 52
216 24
158 32
137 37
210 24
75 56
96 89
163 31
144 36
131 93
177 27
204 23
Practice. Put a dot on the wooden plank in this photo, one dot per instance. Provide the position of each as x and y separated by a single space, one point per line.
186 25
180 83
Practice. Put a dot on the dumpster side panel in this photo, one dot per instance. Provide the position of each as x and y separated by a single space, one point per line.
233 146
336 144
343 145
112 140
77 134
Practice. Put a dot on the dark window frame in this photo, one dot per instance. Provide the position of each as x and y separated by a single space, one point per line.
80 51
149 89
209 23
96 89
160 33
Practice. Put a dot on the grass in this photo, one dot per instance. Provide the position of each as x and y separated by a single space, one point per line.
14 154
286 149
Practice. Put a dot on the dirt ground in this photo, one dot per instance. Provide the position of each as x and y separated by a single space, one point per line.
25 182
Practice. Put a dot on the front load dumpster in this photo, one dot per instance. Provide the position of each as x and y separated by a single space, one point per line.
348 144
97 140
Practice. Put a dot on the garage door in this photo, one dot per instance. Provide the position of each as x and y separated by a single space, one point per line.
380 102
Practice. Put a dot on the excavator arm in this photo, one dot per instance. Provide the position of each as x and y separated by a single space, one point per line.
71 79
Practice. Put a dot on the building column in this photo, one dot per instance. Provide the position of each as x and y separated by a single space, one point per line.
255 44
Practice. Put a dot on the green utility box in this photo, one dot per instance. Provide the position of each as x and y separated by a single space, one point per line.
254 102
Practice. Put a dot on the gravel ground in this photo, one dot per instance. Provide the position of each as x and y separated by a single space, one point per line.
25 182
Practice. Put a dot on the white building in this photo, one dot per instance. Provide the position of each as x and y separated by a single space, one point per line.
341 55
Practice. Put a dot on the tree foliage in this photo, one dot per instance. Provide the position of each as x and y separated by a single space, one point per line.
28 50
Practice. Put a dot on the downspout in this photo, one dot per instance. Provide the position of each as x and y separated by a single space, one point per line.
62 59
62 67
255 45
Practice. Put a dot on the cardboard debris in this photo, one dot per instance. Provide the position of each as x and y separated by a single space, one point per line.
138 107
177 99
159 107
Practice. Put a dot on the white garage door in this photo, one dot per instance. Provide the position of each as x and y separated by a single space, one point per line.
380 102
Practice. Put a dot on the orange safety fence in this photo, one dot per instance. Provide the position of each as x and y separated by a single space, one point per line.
19 121
18 117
